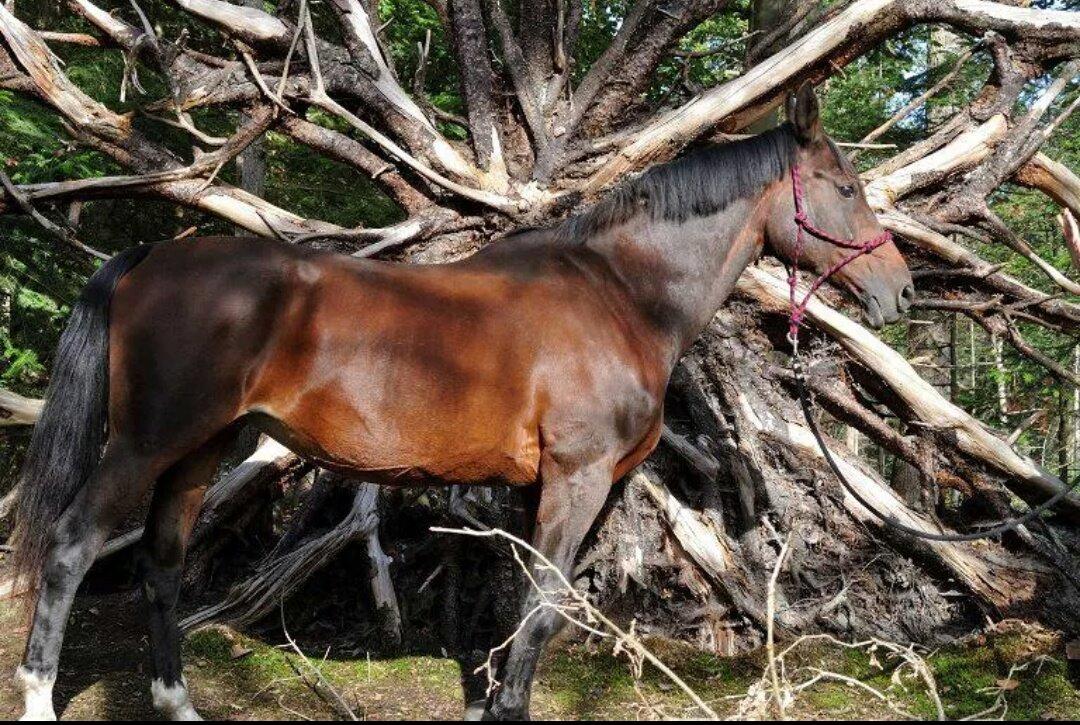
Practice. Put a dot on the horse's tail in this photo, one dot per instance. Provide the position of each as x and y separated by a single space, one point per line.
69 435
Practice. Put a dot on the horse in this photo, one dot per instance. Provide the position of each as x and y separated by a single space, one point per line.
539 362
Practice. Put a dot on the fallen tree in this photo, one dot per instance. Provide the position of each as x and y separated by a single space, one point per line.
689 540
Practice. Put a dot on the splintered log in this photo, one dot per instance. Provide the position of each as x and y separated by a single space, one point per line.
967 561
703 462
963 152
712 550
1030 480
1070 229
1054 179
719 383
17 410
269 459
257 596
249 24
382 584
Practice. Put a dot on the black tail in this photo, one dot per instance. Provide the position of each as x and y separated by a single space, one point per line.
69 435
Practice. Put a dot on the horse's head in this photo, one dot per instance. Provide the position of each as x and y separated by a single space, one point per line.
833 202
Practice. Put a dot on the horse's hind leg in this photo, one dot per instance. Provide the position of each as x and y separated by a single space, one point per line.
174 509
570 500
118 483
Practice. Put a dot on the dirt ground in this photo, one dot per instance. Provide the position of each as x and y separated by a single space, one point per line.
235 677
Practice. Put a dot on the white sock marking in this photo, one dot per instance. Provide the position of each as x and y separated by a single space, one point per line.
37 691
173 701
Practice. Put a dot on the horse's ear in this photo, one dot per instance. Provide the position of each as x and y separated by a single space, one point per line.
802 111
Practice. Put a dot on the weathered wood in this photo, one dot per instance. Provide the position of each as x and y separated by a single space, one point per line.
964 560
963 152
1054 179
18 410
702 461
1029 479
382 585
261 593
710 549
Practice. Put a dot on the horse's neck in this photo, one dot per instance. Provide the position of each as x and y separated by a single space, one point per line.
679 274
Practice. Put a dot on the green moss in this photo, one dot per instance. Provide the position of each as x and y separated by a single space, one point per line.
969 680
579 683
834 698
434 675
210 644
218 649
583 682
225 652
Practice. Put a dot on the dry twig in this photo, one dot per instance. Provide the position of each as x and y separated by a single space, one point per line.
575 608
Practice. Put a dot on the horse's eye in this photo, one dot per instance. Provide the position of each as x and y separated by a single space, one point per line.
847 191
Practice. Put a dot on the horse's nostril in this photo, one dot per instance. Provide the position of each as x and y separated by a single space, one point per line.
907 296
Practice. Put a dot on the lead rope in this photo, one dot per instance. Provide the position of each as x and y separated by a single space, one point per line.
803 226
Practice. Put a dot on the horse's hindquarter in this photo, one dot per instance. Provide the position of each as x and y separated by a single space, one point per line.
189 328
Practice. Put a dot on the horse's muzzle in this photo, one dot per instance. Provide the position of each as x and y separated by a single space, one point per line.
885 307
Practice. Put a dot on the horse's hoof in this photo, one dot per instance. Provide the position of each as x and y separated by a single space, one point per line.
474 711
37 690
172 701
186 714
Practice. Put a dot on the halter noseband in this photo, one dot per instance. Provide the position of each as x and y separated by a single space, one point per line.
804 226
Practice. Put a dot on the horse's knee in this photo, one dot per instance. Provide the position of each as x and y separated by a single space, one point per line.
161 586
66 562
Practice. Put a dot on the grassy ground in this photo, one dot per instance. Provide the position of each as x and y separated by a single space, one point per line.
236 677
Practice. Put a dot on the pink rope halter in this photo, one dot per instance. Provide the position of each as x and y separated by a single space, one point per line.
798 308
804 226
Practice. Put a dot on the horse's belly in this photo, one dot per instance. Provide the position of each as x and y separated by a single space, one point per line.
427 454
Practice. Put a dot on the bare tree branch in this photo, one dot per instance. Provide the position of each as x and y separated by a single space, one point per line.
920 99
830 45
470 41
320 98
923 399
18 410
520 74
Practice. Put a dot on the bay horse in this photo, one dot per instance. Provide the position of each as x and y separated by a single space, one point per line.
540 362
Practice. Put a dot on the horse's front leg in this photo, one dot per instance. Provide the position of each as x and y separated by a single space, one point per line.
571 497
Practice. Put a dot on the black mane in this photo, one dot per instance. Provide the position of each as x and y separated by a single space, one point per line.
699 184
